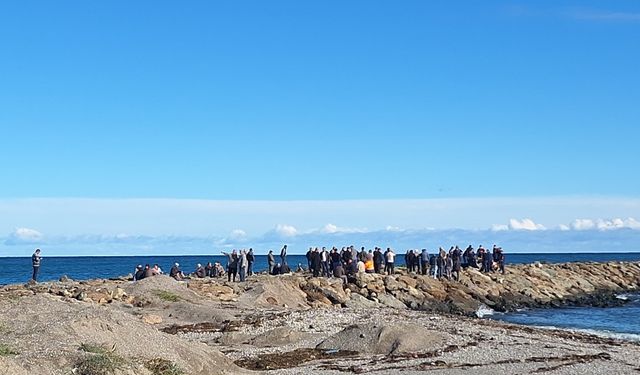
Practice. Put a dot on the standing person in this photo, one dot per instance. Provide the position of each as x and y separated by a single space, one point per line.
378 260
309 256
271 261
324 258
316 262
35 262
391 257
250 260
456 256
424 261
500 258
283 255
243 265
433 266
232 265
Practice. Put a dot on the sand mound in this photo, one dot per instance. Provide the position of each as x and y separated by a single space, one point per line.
387 339
47 333
161 283
275 292
278 337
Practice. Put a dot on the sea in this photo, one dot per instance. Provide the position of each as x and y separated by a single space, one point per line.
618 322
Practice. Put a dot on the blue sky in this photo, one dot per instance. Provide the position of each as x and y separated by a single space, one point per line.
249 101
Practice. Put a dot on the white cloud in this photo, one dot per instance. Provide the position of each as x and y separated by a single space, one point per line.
285 230
332 228
237 234
23 236
499 227
564 228
605 224
525 224
583 224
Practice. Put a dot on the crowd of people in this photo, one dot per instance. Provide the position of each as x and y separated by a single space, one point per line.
346 263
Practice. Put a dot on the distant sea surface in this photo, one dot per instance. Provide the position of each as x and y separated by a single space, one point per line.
18 270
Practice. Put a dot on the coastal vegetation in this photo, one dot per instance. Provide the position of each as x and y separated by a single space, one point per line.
6 350
167 296
161 366
98 360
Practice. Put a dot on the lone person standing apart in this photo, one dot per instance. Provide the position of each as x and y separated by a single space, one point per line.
35 262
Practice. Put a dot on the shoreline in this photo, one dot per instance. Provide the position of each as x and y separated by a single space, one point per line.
297 324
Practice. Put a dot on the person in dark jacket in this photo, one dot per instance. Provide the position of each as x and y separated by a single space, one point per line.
139 273
440 262
424 261
250 260
316 262
456 257
175 272
35 262
232 265
308 255
500 259
378 260
200 271
148 272
433 266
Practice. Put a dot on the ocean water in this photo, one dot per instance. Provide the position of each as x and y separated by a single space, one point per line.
18 270
618 322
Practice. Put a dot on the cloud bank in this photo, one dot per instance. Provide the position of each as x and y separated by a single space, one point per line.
520 235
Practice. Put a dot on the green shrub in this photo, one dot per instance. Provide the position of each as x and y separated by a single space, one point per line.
167 296
161 366
7 350
98 360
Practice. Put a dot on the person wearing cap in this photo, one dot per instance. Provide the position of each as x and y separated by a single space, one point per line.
200 271
175 272
35 262
138 273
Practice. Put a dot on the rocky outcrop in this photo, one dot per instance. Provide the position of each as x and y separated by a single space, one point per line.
533 285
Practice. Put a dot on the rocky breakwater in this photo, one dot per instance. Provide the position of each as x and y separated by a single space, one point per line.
532 285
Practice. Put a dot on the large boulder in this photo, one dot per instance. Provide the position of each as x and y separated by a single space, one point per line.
357 301
388 339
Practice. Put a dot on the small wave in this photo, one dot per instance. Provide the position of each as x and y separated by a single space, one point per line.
624 297
484 311
596 332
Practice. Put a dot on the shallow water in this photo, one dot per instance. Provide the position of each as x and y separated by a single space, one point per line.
620 321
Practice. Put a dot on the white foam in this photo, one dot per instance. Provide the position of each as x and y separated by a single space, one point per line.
623 297
609 334
599 333
483 311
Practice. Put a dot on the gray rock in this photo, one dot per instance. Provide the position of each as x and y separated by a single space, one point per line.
388 339
357 301
391 301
